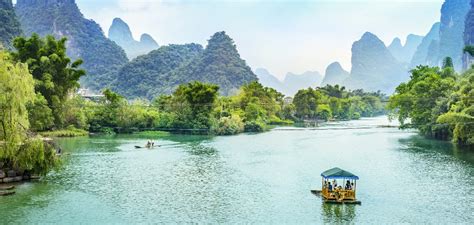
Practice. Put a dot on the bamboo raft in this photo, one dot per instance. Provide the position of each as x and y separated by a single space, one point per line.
349 202
336 194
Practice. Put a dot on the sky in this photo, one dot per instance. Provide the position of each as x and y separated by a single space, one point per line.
280 35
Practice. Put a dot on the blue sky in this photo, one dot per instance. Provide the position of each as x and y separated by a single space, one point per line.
282 36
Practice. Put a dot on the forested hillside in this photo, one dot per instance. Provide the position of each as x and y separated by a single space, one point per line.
86 40
163 70
150 75
9 25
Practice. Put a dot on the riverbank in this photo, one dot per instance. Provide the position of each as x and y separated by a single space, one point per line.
70 132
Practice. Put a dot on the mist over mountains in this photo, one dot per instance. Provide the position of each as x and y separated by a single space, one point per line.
120 33
292 82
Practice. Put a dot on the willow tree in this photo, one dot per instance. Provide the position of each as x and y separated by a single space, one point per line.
17 149
16 90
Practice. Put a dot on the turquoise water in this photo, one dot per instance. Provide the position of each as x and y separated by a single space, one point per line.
252 178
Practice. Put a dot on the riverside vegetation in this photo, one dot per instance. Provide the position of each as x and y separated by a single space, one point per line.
438 102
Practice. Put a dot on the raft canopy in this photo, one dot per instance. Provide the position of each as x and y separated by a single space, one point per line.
337 173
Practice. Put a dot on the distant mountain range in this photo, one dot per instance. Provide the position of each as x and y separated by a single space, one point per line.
404 53
292 82
374 67
120 33
335 74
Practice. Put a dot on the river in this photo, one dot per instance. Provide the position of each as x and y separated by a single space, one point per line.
252 178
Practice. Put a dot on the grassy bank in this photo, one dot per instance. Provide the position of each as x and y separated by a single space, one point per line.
70 132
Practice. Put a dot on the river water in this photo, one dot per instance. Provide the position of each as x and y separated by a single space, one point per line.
252 178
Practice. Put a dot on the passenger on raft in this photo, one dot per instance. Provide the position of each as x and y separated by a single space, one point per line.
329 186
348 185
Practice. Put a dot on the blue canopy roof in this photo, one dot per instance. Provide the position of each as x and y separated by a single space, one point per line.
337 173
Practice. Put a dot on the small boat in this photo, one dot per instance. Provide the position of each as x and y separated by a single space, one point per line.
338 194
136 146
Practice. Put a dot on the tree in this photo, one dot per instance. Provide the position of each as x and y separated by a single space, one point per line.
469 49
17 91
306 103
200 98
54 73
448 63
461 111
420 100
17 149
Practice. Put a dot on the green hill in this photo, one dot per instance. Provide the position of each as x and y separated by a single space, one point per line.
86 40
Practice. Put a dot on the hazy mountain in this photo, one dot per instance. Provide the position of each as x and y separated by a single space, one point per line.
421 55
469 35
451 41
162 70
102 57
335 74
374 67
149 75
269 80
294 82
9 25
404 53
120 33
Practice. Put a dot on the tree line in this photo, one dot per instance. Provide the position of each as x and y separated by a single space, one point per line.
438 102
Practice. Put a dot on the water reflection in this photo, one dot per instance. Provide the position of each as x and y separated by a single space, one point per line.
421 145
339 214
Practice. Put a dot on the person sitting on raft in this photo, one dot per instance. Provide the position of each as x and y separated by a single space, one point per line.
329 186
348 185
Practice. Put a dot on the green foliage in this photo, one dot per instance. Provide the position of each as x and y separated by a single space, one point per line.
149 76
36 157
196 101
16 92
229 125
39 114
254 126
334 102
306 102
439 103
421 100
448 63
460 117
17 149
54 73
68 132
469 49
